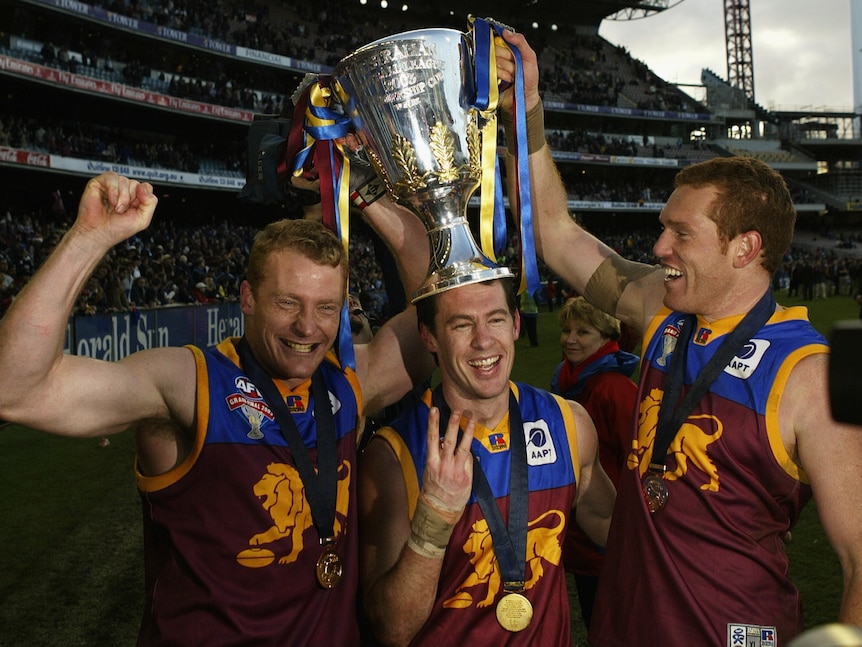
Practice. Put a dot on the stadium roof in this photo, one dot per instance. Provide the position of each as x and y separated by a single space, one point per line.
566 12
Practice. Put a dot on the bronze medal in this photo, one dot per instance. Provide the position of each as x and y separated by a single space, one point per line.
514 612
329 568
655 491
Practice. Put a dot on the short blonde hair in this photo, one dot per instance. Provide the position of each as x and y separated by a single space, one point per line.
310 238
580 308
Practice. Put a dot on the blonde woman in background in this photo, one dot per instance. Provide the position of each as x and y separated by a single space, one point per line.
597 374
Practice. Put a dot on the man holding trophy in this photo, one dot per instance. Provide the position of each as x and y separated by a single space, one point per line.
464 499
246 451
734 434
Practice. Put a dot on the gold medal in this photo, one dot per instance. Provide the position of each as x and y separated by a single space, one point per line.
655 491
514 612
329 568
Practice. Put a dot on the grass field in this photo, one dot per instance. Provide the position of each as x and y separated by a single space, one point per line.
70 519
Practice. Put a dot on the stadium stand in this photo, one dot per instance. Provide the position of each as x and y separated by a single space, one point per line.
166 90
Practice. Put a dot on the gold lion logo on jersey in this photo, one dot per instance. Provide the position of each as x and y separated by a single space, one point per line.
689 445
543 544
283 496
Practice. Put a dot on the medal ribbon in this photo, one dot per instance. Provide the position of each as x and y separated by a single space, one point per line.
321 486
509 539
671 416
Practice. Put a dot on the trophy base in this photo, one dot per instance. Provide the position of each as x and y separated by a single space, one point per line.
455 276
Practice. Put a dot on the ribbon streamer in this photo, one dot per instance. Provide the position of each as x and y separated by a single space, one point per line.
491 219
522 204
313 141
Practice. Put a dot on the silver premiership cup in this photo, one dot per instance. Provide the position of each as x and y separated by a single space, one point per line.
408 96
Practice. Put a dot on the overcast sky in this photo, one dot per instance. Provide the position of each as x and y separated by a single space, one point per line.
801 48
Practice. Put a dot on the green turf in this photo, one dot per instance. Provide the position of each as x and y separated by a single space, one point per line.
70 521
72 573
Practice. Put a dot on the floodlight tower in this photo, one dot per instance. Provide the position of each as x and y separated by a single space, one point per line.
737 33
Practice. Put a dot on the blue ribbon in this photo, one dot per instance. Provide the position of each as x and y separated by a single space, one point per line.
499 212
312 134
482 38
525 196
482 33
332 131
345 336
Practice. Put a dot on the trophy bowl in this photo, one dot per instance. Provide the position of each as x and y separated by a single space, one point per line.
409 98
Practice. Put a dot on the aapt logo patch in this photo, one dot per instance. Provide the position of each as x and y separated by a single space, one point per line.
540 444
746 361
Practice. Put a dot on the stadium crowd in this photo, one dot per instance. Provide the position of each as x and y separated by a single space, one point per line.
170 264
578 68
177 264
96 142
197 266
92 141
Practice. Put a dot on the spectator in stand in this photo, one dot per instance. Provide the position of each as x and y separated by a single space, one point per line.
49 53
227 287
142 294
597 374
551 292
529 311
115 295
199 269
202 293
6 278
360 327
91 299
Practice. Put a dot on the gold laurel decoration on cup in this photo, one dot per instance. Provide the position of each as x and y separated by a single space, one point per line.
442 144
405 158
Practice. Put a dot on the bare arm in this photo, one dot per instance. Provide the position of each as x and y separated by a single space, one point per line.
405 235
399 585
596 494
396 359
402 230
42 387
573 253
831 454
